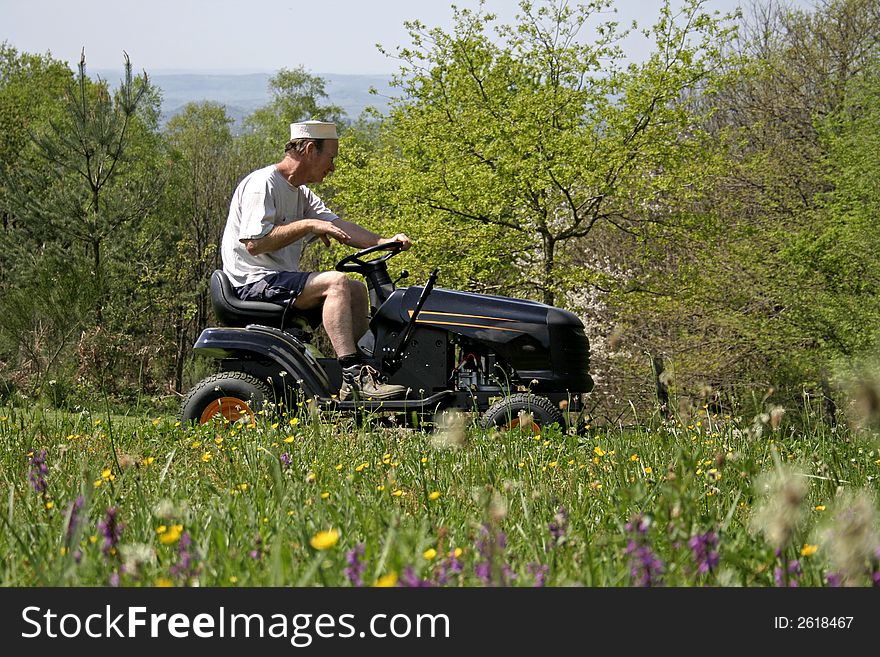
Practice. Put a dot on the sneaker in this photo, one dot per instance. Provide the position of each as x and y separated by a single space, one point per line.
363 381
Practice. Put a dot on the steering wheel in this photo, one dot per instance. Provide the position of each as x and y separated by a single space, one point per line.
353 262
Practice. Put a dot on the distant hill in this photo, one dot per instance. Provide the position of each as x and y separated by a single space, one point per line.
242 93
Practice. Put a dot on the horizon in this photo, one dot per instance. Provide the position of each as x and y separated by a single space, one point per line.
206 36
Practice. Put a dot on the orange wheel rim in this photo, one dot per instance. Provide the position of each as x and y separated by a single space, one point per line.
232 409
534 427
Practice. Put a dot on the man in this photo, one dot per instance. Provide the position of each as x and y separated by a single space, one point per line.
272 216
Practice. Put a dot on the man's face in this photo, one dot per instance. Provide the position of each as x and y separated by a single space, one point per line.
322 161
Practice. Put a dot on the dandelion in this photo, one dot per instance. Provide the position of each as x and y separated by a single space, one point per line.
111 529
170 536
355 567
38 470
430 554
387 580
324 540
704 550
434 495
809 550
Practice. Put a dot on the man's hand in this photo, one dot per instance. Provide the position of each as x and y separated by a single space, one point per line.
326 229
400 237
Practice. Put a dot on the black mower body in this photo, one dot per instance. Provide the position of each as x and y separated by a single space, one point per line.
461 350
543 347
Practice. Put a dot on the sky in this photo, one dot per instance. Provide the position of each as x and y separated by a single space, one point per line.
323 36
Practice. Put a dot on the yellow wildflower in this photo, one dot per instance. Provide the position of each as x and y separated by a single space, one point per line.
325 540
171 536
433 495
809 550
429 554
386 581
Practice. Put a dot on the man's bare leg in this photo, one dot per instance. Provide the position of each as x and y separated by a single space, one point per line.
360 309
335 291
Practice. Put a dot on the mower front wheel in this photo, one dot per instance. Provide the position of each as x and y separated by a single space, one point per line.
525 411
231 396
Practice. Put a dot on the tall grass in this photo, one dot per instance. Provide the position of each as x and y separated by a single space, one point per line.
305 499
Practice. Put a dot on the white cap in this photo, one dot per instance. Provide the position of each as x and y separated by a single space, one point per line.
313 130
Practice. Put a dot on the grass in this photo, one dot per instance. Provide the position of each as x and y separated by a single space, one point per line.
300 499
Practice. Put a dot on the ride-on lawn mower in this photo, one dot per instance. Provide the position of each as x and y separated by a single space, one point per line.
494 355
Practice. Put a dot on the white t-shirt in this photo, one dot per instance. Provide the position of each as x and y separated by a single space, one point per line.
263 200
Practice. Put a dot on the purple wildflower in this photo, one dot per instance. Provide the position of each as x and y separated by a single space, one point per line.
638 525
111 530
645 567
493 570
354 571
833 580
39 470
409 579
789 575
257 552
705 555
559 525
286 460
448 568
114 579
186 567
72 516
539 572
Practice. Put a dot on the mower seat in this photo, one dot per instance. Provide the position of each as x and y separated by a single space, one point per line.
232 311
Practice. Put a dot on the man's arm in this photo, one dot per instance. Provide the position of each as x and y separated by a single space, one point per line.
281 236
362 238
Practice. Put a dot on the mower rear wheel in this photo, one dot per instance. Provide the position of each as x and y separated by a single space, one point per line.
232 396
525 411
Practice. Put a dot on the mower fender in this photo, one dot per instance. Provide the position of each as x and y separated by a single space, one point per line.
263 343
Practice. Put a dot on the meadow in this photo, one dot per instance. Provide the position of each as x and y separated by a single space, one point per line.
298 498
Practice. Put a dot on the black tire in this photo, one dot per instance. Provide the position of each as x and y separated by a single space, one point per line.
231 394
505 412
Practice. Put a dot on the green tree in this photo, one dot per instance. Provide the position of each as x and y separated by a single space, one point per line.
94 178
784 287
296 96
205 167
519 144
